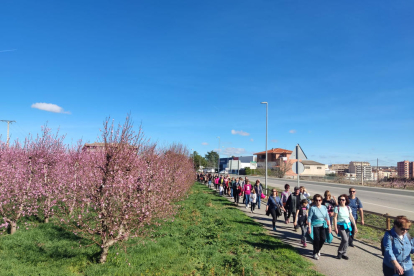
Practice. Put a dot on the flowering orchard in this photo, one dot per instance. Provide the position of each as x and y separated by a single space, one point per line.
106 194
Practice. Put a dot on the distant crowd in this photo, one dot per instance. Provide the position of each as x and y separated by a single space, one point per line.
316 217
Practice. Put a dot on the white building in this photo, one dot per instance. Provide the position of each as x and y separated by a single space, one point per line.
361 169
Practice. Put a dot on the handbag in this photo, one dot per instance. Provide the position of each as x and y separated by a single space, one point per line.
262 196
279 211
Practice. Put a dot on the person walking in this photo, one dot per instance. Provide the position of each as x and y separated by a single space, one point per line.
342 222
236 191
293 204
356 205
247 189
284 197
329 202
209 180
302 219
272 203
319 225
259 191
253 199
398 246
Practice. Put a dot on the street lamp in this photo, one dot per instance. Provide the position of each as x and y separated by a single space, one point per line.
218 152
266 149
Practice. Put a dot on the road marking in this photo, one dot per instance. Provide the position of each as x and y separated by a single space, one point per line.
387 207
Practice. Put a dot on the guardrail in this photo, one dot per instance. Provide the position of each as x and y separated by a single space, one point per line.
387 217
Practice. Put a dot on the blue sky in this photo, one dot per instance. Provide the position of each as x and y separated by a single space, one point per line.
338 76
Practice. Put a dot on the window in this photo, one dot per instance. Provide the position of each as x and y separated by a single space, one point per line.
319 168
307 167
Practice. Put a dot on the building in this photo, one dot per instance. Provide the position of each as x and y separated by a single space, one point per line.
275 157
313 168
233 164
382 174
361 169
405 169
340 169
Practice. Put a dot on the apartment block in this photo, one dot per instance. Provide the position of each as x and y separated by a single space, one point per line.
405 169
340 169
361 169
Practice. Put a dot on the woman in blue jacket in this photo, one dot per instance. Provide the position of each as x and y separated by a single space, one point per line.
319 225
273 202
398 246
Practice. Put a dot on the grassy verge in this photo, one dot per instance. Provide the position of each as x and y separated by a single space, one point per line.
208 237
371 235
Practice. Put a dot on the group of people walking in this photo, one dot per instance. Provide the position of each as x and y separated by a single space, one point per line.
319 216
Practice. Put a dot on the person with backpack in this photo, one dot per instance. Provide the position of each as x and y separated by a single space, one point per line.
343 222
259 191
272 204
397 246
330 202
356 205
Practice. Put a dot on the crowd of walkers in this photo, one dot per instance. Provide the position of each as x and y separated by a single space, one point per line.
318 217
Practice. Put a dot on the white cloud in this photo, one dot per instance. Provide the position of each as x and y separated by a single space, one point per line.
204 143
292 131
239 132
50 107
251 140
233 151
274 141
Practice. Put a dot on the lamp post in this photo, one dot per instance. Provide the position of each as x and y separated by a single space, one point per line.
218 161
266 149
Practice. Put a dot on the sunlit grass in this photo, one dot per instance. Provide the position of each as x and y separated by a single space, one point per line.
207 237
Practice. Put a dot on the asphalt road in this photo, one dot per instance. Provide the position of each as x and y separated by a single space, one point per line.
382 200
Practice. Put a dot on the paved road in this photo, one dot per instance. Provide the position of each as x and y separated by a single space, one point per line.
364 259
382 200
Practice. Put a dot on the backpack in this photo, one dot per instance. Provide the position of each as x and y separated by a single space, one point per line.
392 240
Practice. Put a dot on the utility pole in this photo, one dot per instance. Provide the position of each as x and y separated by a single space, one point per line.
8 128
218 161
377 172
362 175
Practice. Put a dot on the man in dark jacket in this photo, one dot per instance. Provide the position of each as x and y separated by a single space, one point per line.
293 203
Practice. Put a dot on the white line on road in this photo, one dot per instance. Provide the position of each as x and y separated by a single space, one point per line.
387 207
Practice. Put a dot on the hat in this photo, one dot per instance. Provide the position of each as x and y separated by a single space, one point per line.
296 188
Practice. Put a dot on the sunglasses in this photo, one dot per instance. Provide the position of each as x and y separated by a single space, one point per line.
342 199
352 191
274 191
319 200
405 229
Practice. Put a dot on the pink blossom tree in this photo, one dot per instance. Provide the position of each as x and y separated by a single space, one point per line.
18 196
121 186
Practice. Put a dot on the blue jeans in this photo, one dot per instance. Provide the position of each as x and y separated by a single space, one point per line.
388 271
247 200
231 192
259 199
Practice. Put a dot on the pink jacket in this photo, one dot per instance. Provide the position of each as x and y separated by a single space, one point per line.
247 189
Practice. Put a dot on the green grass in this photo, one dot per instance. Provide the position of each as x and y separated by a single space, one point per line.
372 235
207 237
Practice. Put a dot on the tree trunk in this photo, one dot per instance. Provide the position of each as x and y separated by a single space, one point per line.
46 219
12 227
104 254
